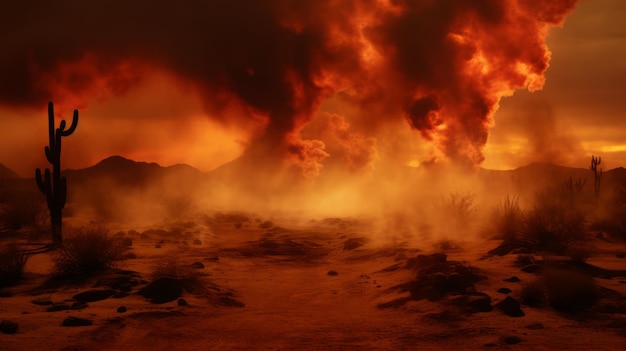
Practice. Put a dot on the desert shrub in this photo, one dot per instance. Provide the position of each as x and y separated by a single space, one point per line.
187 275
23 211
565 290
553 227
87 250
457 211
523 260
12 261
508 218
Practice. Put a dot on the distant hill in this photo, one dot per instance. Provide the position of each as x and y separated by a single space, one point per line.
125 172
7 173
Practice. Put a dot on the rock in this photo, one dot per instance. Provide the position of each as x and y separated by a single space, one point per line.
44 301
531 268
510 307
197 242
332 273
8 327
94 295
58 307
198 265
353 243
78 306
157 246
455 281
513 279
504 291
439 280
162 290
182 302
620 255
76 322
512 340
480 303
121 309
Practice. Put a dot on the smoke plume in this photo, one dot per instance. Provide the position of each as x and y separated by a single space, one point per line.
442 65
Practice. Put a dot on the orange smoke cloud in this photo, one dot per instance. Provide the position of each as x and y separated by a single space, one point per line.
441 65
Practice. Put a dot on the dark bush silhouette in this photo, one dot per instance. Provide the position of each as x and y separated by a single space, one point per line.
87 250
12 261
564 289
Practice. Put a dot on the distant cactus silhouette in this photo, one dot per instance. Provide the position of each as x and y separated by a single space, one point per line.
597 176
55 186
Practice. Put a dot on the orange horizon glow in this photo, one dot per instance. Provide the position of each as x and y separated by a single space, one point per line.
149 111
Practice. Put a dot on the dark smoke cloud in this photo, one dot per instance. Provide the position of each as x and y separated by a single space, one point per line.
445 63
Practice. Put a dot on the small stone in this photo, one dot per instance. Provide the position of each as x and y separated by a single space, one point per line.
78 306
42 301
121 309
620 255
76 322
157 246
8 327
512 340
531 268
182 302
332 273
513 279
504 291
510 307
94 295
481 303
58 307
212 258
198 265
197 242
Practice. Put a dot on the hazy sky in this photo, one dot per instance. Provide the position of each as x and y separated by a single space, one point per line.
143 101
582 108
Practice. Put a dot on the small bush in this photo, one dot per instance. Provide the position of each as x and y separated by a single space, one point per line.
12 262
508 218
458 211
87 250
25 211
565 290
553 227
523 260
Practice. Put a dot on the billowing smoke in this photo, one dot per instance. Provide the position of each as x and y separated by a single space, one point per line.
442 65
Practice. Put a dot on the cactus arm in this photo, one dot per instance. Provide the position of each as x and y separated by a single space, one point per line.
72 126
51 123
40 183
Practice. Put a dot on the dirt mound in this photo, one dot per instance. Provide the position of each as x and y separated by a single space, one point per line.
282 248
437 278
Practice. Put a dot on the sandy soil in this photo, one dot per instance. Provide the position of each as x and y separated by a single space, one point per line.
283 274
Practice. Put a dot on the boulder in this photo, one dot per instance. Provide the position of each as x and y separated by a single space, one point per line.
162 290
8 327
510 307
76 322
94 295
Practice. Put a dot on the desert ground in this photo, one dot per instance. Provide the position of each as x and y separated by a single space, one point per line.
293 283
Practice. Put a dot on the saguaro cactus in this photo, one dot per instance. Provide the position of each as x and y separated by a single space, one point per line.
55 186
595 161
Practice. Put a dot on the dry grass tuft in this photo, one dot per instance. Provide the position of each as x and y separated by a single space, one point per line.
12 261
187 275
87 250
